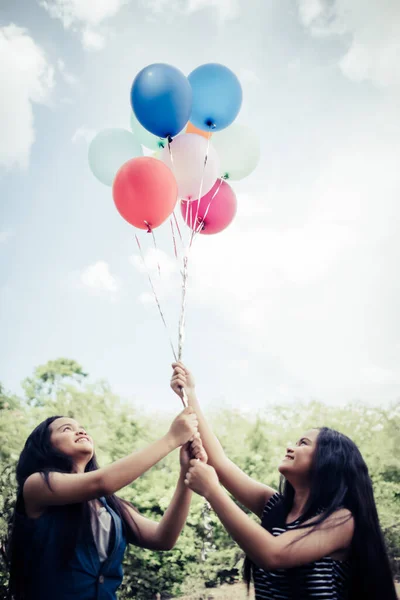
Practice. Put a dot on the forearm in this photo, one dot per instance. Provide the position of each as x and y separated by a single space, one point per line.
175 516
125 470
216 454
258 544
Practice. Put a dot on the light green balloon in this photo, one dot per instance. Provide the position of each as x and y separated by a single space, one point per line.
146 138
238 148
109 150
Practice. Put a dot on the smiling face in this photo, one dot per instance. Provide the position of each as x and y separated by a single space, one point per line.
298 459
71 439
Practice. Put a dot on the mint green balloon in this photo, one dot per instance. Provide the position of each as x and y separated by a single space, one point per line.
238 148
109 150
146 138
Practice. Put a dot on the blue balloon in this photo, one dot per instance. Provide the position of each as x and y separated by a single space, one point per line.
161 99
217 97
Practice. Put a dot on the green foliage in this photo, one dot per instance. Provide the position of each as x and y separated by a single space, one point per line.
49 377
256 443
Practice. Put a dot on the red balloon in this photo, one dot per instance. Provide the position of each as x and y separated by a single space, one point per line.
215 212
145 192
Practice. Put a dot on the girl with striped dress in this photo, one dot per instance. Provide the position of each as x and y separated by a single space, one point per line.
319 536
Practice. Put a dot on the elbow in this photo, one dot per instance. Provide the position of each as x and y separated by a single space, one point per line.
273 561
166 545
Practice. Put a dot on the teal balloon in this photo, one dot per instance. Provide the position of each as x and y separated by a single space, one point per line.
147 139
109 150
238 148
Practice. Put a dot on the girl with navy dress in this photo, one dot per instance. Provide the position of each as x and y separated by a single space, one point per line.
70 530
319 536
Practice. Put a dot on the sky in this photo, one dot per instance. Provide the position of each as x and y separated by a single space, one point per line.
298 298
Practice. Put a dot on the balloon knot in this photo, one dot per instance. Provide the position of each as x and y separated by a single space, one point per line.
149 229
169 138
201 224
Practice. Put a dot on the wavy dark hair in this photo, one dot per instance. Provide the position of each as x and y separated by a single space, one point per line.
340 479
40 456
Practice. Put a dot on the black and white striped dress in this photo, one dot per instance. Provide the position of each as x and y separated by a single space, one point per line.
324 579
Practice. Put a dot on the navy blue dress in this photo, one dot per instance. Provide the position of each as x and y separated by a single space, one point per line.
46 575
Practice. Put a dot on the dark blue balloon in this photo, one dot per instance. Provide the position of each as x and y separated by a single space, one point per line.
217 96
161 98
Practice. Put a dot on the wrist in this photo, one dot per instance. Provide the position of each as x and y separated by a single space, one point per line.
171 441
182 477
213 493
191 394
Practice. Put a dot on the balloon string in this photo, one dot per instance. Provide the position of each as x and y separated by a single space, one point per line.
177 226
201 186
201 222
173 238
150 230
182 319
181 337
156 297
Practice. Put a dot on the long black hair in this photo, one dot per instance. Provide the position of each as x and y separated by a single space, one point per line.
40 456
340 479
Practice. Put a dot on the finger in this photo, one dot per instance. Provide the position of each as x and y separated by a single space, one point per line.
192 463
178 379
186 481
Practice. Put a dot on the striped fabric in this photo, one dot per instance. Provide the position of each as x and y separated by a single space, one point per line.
324 579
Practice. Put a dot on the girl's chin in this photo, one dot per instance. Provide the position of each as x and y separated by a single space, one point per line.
283 468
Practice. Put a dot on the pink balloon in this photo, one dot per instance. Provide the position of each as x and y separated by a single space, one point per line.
145 192
216 210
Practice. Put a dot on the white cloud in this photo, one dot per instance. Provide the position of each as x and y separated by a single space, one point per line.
248 76
309 291
376 375
85 16
373 29
5 236
83 133
226 9
26 77
68 77
163 271
156 262
98 277
93 40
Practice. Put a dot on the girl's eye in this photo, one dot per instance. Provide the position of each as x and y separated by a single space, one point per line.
302 442
66 428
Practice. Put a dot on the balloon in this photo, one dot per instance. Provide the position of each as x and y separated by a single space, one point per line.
217 96
146 138
216 210
238 148
110 149
145 191
192 129
161 99
188 153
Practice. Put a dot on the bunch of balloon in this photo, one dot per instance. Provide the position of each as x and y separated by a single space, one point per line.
187 125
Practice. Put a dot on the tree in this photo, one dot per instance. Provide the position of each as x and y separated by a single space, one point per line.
49 378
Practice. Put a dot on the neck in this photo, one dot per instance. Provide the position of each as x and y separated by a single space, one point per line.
79 467
301 495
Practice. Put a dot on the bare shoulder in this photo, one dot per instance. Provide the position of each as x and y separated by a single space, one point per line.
30 491
341 517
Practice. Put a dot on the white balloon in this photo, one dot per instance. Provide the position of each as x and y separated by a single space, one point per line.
238 148
188 153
